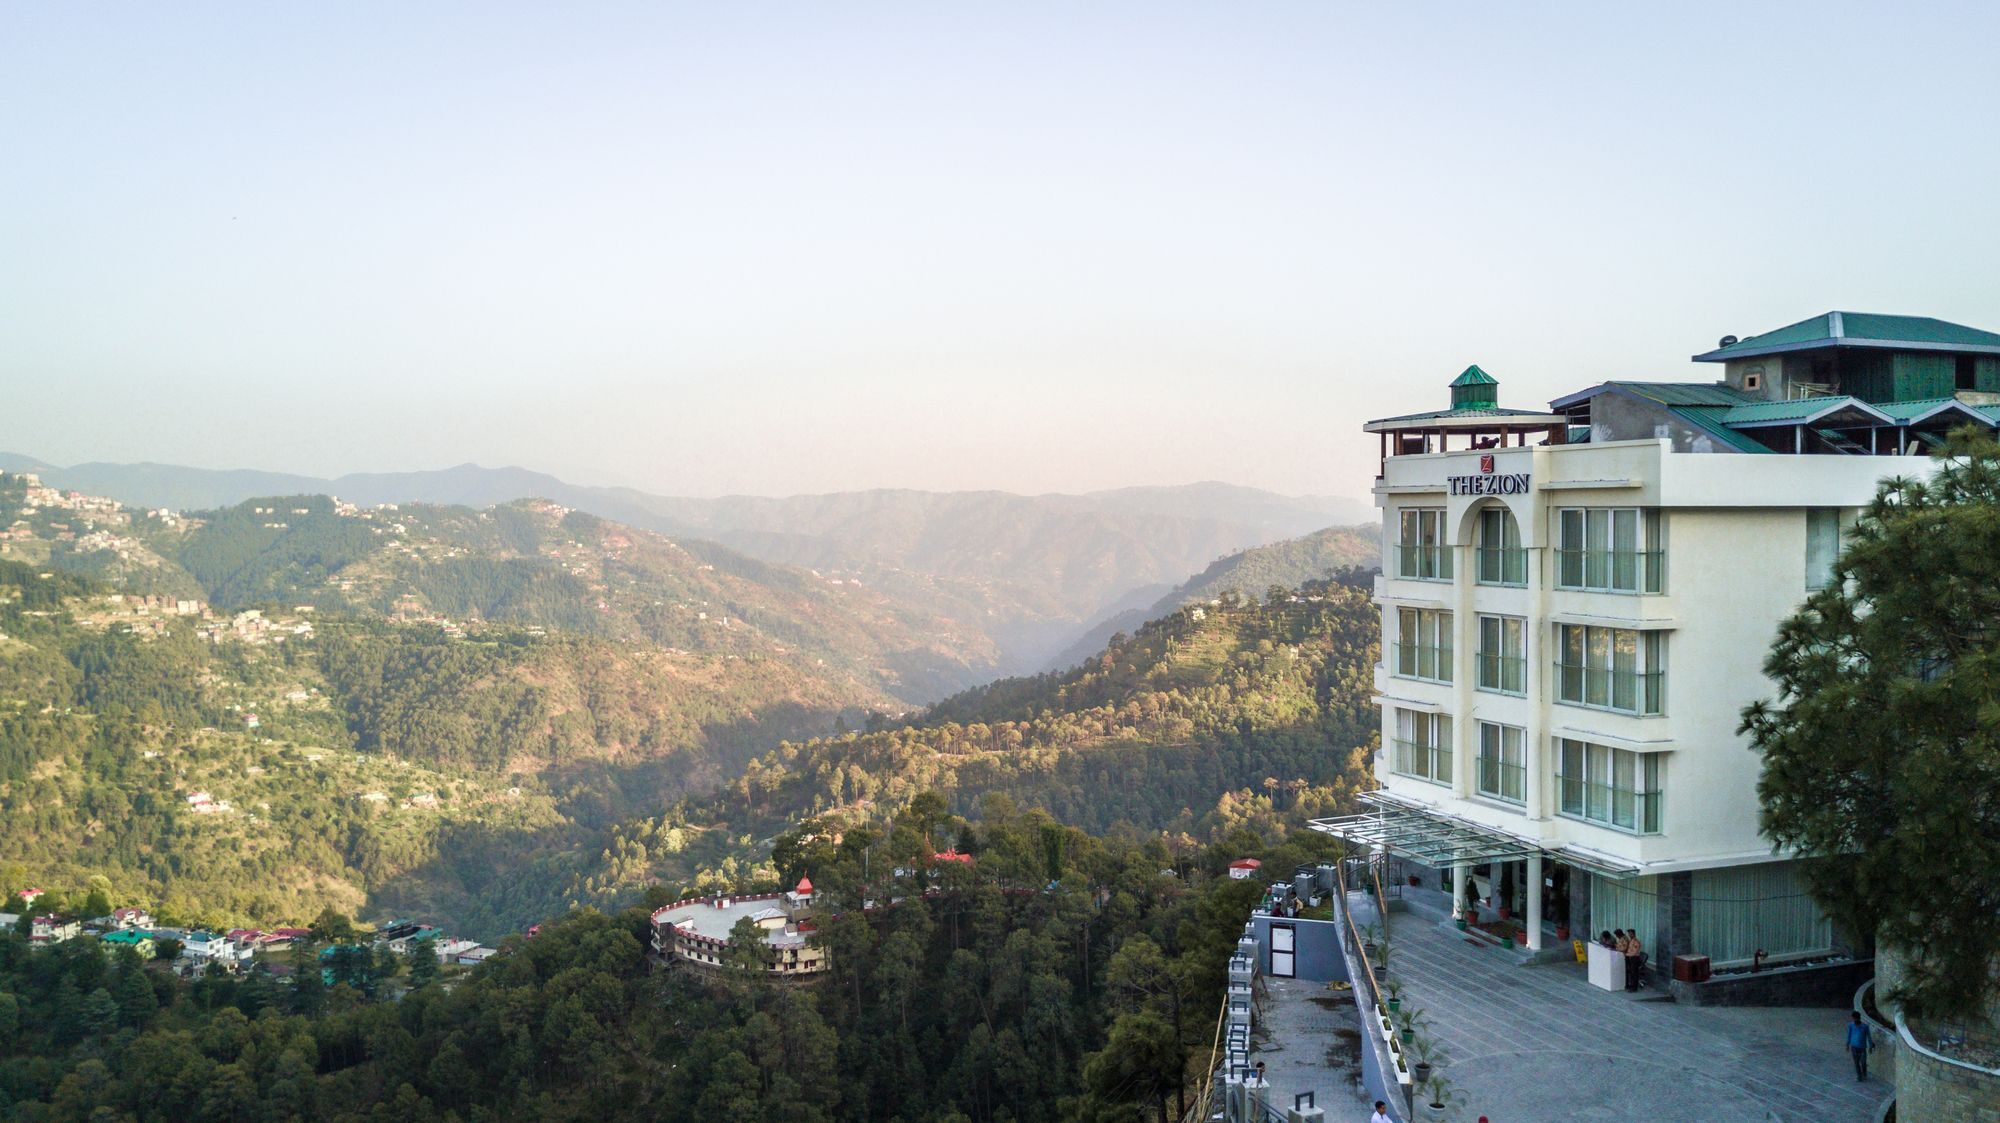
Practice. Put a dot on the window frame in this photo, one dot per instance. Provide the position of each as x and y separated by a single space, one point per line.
1420 733
1500 661
1618 550
1597 681
1596 797
1493 759
1435 646
1507 563
1423 549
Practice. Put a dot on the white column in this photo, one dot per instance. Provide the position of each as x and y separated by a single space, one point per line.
1535 901
1461 876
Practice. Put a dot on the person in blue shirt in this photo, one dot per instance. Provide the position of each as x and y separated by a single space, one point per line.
1860 1039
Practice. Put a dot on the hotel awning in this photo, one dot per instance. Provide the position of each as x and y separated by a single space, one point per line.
1421 834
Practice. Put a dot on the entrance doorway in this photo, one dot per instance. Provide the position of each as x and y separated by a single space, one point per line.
1284 951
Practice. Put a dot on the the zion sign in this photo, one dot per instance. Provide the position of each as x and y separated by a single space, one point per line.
1489 482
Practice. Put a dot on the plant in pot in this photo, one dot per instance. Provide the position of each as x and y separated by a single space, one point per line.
1425 1051
1409 1021
1393 988
1371 941
1437 1097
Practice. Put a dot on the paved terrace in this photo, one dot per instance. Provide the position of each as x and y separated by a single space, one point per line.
1541 1045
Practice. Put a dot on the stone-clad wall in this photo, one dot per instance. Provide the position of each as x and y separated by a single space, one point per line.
1825 984
1930 1087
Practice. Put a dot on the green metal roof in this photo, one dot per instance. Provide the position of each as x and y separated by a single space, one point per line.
1664 393
1494 412
1798 410
1859 329
1708 419
1473 376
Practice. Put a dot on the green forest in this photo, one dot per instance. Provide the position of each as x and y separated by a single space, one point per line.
1064 976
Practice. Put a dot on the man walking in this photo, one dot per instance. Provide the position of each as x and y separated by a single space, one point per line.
1381 1113
1860 1039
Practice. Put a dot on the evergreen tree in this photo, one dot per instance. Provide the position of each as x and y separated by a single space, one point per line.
1882 749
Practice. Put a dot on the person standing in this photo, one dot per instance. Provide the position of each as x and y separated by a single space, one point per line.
1381 1113
1860 1039
1635 960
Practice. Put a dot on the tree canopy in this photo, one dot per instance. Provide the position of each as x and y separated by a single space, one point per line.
1882 749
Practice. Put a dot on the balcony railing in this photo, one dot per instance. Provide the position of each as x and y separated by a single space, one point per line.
1611 571
1619 808
1601 688
1499 565
1503 674
1424 563
1503 781
1421 661
1424 762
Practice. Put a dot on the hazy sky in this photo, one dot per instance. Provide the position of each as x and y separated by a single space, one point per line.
748 247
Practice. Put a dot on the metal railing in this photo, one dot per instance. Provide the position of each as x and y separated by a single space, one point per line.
1423 563
1602 688
1501 565
1434 759
1503 781
1426 662
1502 674
1621 808
1611 571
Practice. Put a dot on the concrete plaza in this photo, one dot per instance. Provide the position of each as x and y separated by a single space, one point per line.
1539 1044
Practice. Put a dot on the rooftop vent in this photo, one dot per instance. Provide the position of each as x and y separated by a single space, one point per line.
1727 341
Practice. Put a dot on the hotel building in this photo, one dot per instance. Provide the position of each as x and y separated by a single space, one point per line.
1577 603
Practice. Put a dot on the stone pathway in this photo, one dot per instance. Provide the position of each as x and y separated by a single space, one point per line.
1541 1044
1309 1039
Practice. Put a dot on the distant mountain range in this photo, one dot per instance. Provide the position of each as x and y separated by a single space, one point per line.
1030 573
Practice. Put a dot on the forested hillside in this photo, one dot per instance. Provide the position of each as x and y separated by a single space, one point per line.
1245 573
996 999
532 563
484 716
1025 573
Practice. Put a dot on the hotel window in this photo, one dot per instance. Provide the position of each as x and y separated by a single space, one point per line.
1611 669
1822 546
1423 746
1502 561
1609 786
1503 655
1421 552
1503 769
1423 644
1609 550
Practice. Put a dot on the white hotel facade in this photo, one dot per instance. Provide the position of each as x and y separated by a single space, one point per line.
1577 604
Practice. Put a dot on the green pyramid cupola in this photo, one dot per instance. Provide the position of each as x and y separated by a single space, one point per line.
1475 389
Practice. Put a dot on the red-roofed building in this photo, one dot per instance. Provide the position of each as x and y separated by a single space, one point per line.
952 856
1242 868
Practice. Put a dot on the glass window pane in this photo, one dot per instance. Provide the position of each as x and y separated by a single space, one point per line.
1625 550
1569 549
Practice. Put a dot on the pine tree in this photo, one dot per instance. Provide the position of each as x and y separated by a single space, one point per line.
1882 749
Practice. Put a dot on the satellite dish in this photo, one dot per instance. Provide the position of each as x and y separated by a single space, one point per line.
1727 341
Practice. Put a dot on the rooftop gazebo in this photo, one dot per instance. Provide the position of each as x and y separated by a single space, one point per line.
1475 420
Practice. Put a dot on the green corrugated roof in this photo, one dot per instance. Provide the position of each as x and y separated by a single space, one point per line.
1448 414
1688 393
1851 329
1709 420
1473 376
1797 409
1915 329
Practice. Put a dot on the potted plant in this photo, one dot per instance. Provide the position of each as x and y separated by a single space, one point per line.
1409 1022
1393 987
1371 941
1426 1051
1437 1098
1461 922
